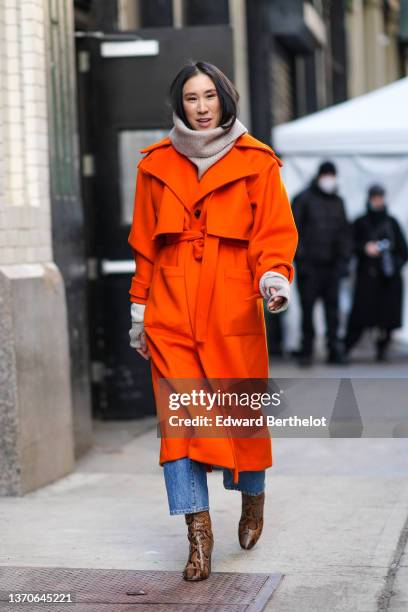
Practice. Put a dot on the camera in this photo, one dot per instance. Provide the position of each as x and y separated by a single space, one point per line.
387 262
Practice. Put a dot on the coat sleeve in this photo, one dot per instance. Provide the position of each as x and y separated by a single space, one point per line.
400 245
344 247
299 210
359 237
140 239
274 236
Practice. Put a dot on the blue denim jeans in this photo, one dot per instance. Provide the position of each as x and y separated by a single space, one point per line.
187 490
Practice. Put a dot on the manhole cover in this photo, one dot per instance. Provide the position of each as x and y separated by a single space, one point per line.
112 590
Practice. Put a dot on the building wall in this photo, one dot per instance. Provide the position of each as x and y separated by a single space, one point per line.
24 186
372 45
393 51
291 62
355 49
36 441
68 223
238 17
206 12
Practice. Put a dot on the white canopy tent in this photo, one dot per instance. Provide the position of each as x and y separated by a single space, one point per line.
367 139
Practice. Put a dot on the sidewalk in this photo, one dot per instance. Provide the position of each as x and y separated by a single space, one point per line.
335 511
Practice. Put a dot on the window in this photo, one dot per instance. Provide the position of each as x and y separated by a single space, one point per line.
130 143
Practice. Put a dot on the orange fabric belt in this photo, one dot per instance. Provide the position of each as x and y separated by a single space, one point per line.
205 248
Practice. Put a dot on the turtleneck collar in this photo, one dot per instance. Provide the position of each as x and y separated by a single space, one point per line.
376 214
204 147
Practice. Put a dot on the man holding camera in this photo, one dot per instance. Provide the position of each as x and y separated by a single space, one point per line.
381 251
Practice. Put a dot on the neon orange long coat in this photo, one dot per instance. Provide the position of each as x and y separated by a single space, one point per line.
201 248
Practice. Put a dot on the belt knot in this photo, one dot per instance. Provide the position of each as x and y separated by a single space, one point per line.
205 247
196 237
198 247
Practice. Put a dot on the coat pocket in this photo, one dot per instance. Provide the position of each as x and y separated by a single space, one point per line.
167 305
242 316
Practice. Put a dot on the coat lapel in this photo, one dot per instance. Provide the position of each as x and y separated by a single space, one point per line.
171 216
168 166
233 167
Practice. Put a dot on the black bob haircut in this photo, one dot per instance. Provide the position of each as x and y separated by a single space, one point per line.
226 91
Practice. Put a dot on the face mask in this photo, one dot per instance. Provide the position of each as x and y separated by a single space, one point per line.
327 183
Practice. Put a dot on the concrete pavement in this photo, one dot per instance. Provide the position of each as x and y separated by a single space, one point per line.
336 515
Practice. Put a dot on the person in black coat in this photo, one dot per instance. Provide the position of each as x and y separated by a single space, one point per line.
322 258
381 251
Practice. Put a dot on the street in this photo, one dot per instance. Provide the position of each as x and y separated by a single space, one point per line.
335 512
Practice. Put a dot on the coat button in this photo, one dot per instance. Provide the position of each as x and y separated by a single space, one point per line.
197 213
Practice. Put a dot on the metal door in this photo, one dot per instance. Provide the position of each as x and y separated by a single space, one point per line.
123 81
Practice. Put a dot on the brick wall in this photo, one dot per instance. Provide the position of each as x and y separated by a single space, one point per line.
25 234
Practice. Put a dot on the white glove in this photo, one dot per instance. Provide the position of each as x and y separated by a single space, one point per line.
136 333
275 280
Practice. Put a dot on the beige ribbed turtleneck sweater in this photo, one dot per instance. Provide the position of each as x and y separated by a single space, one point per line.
204 147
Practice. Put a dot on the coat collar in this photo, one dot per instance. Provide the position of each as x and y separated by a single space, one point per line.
168 166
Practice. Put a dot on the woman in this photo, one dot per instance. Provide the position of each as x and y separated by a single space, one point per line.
381 252
212 231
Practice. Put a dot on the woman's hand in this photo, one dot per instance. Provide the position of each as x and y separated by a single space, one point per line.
275 289
137 333
276 303
138 340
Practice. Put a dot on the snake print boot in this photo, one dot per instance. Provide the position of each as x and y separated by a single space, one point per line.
201 540
251 522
